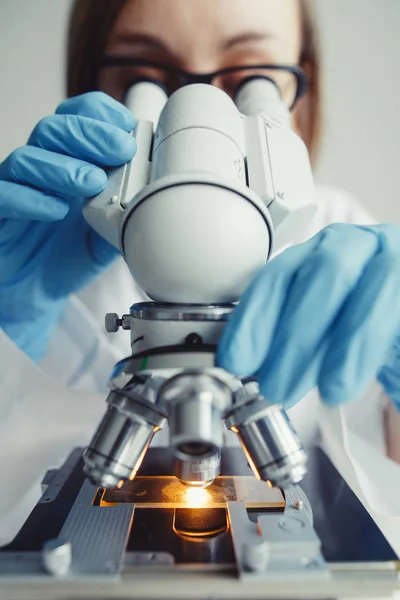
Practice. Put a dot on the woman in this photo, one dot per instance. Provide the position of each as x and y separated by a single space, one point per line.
332 319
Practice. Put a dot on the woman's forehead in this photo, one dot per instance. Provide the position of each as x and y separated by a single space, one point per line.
182 26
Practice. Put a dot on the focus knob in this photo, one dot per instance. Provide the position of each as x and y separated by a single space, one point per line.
112 322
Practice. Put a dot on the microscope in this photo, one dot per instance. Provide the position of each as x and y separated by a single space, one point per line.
216 187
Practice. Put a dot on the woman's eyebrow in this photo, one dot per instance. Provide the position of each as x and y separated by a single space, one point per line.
140 41
246 38
148 42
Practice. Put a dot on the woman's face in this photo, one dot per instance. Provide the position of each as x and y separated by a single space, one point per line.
202 36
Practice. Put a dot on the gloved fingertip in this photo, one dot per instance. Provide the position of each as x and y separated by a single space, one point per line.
127 148
91 180
220 360
289 403
333 395
389 380
102 252
99 106
130 120
270 390
381 376
117 113
275 388
231 362
121 148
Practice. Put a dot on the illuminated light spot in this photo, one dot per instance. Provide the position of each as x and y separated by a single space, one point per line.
197 497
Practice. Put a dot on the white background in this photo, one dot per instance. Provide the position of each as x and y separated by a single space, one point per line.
361 50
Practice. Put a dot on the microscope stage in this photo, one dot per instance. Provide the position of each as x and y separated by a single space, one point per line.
191 524
169 492
156 538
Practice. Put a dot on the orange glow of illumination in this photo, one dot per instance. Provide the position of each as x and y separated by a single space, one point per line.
197 497
120 484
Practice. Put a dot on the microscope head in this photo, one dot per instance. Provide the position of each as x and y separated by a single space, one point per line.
197 234
210 193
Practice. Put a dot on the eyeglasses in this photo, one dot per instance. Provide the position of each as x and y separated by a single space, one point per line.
118 73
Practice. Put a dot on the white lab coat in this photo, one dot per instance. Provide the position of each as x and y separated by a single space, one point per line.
49 409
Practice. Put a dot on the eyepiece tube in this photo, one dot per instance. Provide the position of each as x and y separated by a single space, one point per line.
120 442
145 100
269 441
261 96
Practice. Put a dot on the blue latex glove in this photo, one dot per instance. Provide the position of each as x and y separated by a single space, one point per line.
323 313
389 375
47 250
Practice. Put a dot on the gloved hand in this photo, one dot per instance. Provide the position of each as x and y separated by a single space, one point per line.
389 374
47 250
323 313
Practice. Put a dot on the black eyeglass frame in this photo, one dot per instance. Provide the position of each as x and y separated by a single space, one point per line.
187 77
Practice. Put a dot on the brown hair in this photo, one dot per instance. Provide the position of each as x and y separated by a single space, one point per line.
86 44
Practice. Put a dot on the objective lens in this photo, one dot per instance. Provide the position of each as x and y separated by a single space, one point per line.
269 441
195 448
198 473
195 428
117 449
273 449
195 403
121 440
